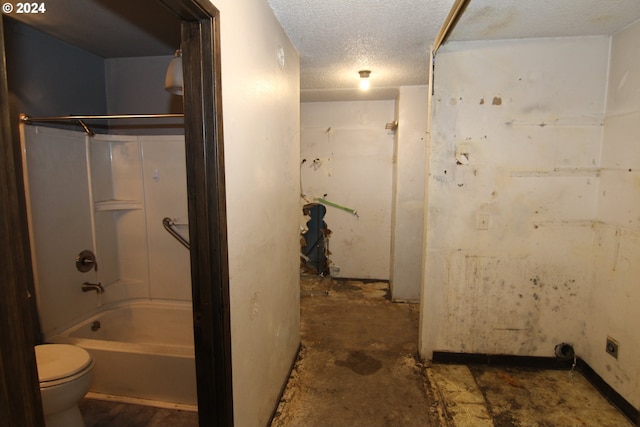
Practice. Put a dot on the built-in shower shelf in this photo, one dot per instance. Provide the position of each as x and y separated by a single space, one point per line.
118 205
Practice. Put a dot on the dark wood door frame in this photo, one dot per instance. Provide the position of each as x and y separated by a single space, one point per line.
207 208
20 403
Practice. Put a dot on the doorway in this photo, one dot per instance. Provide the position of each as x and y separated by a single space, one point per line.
207 218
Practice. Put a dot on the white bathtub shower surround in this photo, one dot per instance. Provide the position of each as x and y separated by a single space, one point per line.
60 222
141 350
107 194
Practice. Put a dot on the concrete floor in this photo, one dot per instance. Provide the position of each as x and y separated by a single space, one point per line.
489 396
358 367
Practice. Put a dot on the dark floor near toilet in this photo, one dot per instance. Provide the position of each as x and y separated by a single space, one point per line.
357 367
102 413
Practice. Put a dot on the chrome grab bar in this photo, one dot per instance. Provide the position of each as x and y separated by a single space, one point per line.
168 225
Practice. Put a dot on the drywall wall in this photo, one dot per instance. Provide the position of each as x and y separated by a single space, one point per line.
408 193
346 158
261 110
48 77
613 306
512 192
136 86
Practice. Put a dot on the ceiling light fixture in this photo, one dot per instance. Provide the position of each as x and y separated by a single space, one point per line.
173 79
365 83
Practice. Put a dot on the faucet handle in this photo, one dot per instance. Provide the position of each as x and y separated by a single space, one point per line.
85 261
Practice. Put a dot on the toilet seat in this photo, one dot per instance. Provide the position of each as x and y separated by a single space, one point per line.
61 363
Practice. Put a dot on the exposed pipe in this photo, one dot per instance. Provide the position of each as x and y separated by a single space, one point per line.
337 206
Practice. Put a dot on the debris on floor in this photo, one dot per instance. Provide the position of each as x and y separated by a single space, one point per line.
358 366
479 395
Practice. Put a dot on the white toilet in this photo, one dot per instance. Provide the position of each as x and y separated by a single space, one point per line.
65 373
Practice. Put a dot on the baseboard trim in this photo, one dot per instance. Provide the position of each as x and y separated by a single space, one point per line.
541 362
284 385
355 279
501 360
609 393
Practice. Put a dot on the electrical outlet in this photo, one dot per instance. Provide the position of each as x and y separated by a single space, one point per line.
612 347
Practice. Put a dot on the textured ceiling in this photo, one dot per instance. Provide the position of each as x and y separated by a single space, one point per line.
337 38
512 19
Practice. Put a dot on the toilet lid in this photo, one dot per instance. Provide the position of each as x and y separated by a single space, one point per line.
56 361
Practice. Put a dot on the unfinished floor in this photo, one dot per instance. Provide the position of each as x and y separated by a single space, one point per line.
105 413
358 367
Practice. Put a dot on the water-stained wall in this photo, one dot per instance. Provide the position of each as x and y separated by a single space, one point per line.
512 192
532 224
613 304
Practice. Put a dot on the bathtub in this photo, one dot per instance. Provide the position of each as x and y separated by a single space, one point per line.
142 350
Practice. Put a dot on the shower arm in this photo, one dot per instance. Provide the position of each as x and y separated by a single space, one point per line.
86 129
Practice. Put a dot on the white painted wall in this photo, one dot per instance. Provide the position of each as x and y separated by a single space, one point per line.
613 304
509 248
261 110
408 193
354 169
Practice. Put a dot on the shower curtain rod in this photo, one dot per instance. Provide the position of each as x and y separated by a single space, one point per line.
25 118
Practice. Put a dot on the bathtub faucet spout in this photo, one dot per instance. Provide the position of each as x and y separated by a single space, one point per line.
86 287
